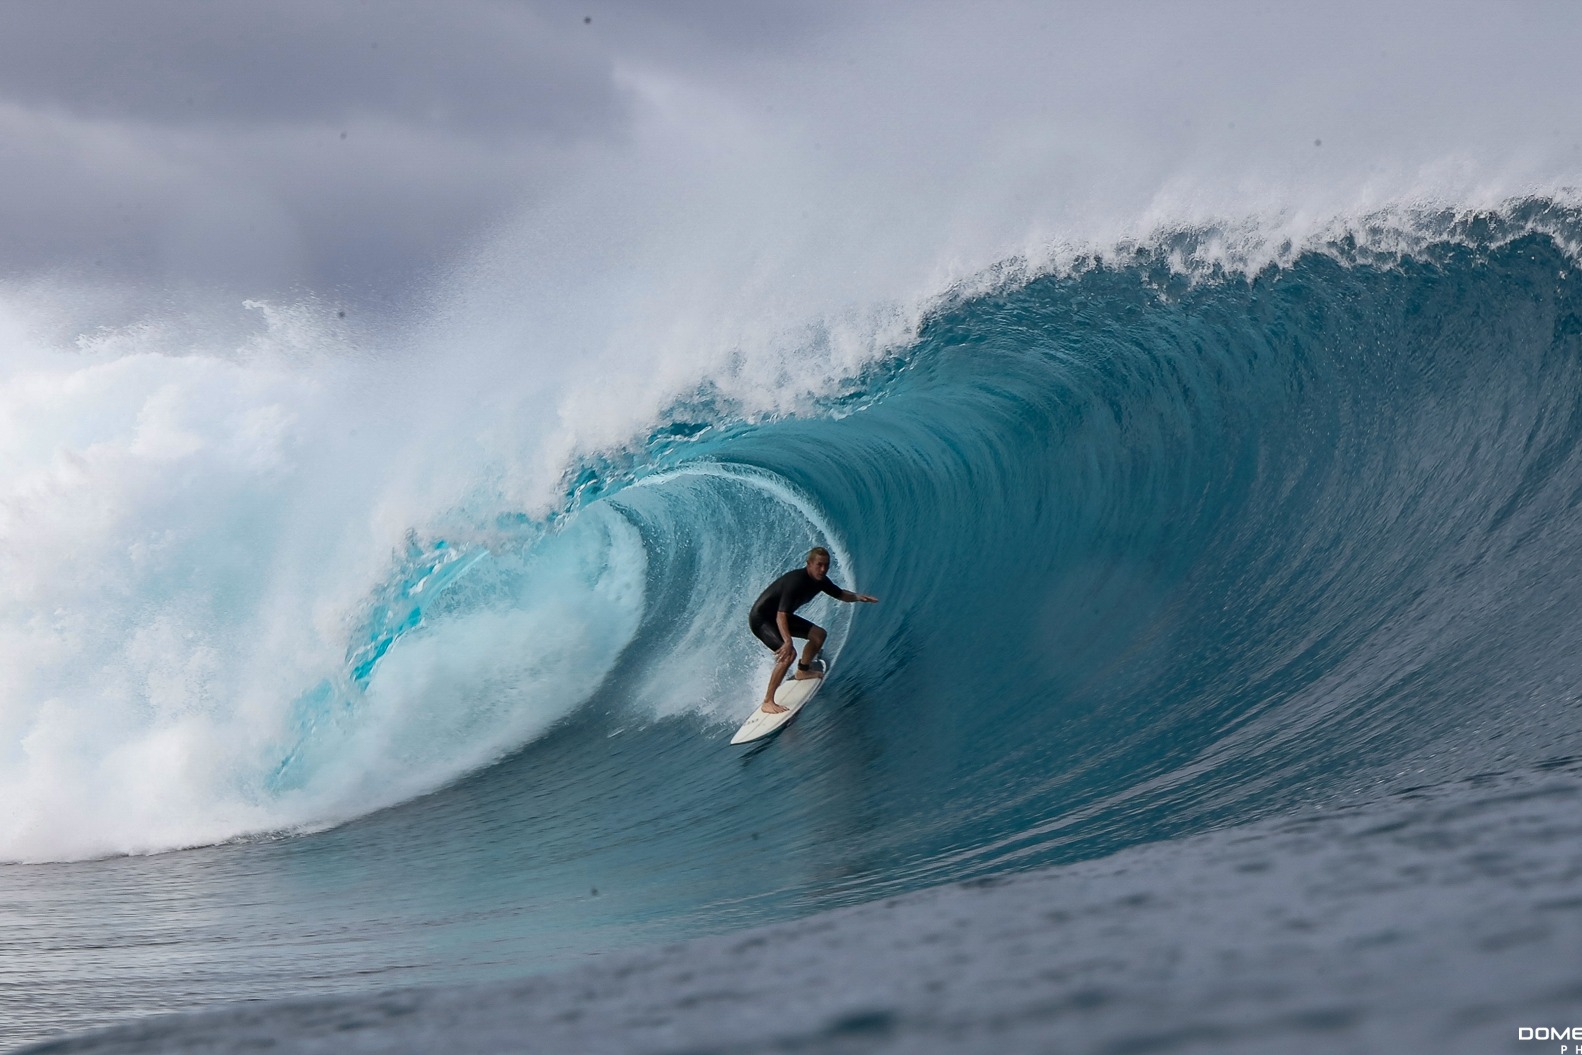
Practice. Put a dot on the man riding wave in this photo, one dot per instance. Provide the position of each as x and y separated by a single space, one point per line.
774 620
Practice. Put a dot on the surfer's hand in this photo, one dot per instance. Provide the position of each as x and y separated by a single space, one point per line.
787 651
866 599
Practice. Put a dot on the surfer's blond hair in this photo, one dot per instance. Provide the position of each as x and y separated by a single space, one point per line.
818 551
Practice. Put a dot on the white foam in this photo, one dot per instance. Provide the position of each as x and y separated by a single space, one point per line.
189 542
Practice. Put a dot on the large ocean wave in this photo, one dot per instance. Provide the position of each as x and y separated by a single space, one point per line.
1168 535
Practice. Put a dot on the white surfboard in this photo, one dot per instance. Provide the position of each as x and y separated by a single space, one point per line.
792 695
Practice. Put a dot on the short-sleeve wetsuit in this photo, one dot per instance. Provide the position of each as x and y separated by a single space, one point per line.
786 594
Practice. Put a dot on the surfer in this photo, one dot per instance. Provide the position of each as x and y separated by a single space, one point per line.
774 620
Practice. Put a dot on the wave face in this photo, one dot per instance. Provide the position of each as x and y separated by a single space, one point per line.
1159 553
1159 548
1162 555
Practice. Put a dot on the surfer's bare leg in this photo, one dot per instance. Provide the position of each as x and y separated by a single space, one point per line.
815 641
782 664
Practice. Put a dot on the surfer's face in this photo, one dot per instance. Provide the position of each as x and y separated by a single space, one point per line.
817 566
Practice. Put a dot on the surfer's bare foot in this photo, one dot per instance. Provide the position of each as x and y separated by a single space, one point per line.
805 675
771 707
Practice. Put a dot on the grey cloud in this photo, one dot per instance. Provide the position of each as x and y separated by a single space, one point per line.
711 29
255 211
465 65
329 144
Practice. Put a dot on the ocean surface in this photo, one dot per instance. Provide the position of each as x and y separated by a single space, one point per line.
1165 544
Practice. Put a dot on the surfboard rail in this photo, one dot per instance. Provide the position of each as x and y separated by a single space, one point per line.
793 694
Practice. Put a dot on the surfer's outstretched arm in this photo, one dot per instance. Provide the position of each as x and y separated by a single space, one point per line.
850 597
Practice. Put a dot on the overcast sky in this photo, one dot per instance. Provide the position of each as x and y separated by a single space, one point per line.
354 147
315 143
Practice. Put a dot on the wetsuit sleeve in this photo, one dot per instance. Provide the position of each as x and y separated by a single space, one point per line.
830 588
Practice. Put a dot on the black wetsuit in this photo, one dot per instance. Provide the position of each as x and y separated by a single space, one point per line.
786 594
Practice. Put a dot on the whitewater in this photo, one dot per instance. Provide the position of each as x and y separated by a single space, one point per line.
1219 481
